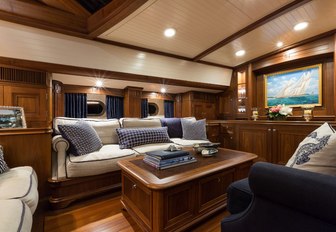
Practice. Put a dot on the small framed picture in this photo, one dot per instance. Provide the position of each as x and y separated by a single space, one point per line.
12 117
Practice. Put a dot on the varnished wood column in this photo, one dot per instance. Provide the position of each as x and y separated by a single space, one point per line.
132 101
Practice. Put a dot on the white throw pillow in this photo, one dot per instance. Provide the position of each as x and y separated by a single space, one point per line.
317 152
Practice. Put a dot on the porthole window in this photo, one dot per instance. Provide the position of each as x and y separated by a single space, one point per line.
95 108
153 109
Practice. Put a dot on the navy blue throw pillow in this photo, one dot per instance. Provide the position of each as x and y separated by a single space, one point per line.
174 127
82 137
132 137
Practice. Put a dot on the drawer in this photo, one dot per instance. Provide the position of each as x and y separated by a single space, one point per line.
138 197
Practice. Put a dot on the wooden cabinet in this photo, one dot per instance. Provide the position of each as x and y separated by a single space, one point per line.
200 105
30 90
272 141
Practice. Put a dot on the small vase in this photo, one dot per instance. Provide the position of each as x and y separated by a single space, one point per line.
280 118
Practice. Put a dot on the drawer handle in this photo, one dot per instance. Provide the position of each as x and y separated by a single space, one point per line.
134 186
218 180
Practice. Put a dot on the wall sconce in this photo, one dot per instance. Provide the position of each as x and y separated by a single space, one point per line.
307 112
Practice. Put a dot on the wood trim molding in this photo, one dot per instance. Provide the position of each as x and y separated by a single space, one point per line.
68 5
90 89
73 70
283 10
111 14
43 17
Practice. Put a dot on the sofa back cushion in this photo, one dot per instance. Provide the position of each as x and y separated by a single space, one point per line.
82 137
132 137
105 128
316 153
194 130
174 127
140 122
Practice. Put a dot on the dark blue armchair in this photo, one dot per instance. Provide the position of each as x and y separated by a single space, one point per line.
276 198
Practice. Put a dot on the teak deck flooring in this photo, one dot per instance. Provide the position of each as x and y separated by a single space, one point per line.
103 213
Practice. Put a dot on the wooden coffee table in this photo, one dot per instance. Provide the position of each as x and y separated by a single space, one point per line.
176 198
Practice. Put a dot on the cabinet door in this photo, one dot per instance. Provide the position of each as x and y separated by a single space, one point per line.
212 190
286 139
256 139
33 101
227 136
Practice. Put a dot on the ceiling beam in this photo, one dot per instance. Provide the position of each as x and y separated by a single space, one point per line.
71 6
41 16
111 14
283 10
82 71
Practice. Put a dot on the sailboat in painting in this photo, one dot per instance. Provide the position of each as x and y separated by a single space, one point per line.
296 89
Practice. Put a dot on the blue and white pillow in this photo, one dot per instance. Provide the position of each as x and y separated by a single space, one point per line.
82 137
194 130
132 137
316 153
3 164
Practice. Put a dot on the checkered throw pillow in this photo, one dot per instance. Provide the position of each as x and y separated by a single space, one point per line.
82 137
132 137
3 165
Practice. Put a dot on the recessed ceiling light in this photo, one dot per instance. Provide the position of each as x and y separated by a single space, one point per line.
279 44
300 26
99 83
163 90
169 32
240 53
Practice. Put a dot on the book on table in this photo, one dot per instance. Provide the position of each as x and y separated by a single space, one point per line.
167 159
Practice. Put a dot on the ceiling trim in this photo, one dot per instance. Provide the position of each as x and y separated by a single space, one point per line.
142 49
110 15
81 71
68 5
283 10
44 17
303 42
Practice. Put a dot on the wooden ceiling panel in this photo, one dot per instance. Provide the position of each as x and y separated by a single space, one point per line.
263 39
199 24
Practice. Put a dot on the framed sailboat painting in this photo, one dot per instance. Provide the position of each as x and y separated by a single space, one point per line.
296 87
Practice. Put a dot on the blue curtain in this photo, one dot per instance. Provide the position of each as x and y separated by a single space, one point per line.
144 108
75 105
168 109
114 107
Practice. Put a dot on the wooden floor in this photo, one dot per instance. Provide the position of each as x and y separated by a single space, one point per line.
103 213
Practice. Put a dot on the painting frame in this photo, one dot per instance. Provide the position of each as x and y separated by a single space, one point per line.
291 87
12 117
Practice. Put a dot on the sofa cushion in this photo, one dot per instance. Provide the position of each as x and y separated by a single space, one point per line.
174 127
186 142
140 123
105 128
3 164
15 216
99 162
194 130
152 147
132 137
82 137
20 183
316 153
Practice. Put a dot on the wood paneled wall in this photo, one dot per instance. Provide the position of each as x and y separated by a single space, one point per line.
29 147
320 51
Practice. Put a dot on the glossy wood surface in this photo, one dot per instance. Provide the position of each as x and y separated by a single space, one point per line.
175 199
272 141
29 147
103 213
161 179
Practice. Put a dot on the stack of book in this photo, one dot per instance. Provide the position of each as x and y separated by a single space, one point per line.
167 159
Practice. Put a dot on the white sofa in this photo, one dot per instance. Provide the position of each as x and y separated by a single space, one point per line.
67 168
18 199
